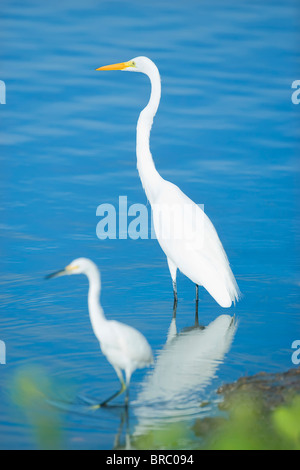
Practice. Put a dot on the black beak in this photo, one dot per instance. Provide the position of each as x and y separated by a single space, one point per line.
62 272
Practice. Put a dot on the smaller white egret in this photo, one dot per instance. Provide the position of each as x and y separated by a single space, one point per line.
125 348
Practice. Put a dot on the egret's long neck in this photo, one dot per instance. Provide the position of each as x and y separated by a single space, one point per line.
95 310
149 175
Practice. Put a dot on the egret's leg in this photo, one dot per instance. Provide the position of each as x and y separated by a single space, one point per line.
175 292
127 398
197 306
175 306
128 374
173 272
175 299
115 395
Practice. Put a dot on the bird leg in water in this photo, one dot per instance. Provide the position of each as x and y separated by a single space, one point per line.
115 395
175 307
197 306
127 398
175 292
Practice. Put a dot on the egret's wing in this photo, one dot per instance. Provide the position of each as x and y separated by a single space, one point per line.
126 342
190 240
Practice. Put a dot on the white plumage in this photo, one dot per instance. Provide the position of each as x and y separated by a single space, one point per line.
183 230
198 254
125 348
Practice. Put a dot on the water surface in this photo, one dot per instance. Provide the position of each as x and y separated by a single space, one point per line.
226 133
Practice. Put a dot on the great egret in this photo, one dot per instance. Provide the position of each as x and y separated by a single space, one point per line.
183 230
125 348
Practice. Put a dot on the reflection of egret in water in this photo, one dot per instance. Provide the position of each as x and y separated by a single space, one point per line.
177 385
184 368
123 438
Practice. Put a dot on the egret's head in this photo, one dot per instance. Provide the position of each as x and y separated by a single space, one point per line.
78 266
138 64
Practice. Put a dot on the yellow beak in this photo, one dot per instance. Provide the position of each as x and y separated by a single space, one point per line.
120 66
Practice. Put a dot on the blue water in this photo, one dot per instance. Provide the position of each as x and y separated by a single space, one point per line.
226 133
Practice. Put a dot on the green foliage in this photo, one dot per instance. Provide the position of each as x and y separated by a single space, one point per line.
286 421
30 390
251 422
248 425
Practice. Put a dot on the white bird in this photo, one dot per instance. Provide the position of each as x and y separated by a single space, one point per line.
125 348
184 232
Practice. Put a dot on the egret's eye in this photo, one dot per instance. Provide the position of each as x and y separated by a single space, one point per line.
133 64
